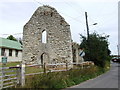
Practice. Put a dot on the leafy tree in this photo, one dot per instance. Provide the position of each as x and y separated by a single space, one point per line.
20 41
12 38
96 49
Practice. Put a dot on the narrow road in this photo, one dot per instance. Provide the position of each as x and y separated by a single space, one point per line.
107 80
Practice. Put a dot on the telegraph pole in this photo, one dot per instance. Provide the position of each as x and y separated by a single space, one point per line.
87 25
118 50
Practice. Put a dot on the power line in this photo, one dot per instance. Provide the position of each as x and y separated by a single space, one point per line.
62 13
12 34
74 8
80 14
71 17
78 11
38 2
58 11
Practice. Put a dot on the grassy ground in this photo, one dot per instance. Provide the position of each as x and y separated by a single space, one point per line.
59 80
33 70
27 69
9 64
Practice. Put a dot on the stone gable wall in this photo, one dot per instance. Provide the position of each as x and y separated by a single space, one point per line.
58 48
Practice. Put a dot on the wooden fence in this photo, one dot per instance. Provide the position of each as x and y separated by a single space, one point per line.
55 67
13 76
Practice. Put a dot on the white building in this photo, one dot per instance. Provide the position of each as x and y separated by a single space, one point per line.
11 49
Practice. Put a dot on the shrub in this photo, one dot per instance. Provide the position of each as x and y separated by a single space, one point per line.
96 49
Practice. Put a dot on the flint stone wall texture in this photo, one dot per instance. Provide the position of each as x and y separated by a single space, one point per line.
58 48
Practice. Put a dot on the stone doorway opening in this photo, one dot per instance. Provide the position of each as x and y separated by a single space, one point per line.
44 58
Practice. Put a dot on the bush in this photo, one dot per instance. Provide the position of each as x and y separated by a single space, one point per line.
96 49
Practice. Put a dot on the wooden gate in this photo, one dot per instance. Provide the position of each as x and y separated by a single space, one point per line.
9 76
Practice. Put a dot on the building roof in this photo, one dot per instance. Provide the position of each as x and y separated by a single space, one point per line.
6 43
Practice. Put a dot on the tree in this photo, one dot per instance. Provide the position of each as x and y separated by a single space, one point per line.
20 41
12 38
96 49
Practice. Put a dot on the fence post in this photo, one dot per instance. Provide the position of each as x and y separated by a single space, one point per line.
66 66
44 67
18 72
82 65
22 74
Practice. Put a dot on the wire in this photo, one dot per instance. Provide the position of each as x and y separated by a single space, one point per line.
13 34
38 2
80 14
74 8
62 13
58 12
78 11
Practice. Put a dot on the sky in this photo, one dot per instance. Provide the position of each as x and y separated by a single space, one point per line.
14 14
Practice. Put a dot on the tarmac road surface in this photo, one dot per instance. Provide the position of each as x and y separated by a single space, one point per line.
107 80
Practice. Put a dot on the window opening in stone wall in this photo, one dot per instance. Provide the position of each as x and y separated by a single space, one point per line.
2 51
44 37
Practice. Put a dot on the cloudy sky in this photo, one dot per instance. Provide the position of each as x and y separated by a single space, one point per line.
14 14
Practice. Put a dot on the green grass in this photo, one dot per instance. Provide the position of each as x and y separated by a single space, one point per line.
33 70
9 64
58 80
28 69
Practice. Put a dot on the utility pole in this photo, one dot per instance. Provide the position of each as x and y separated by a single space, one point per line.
87 25
118 50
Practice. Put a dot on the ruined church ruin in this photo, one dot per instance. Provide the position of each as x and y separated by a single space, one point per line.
47 38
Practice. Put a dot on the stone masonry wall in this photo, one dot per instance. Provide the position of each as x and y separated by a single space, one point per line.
58 48
76 50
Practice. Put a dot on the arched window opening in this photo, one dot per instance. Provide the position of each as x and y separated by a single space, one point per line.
44 37
44 58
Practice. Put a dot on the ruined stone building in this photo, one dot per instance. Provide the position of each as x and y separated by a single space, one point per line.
47 38
76 50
